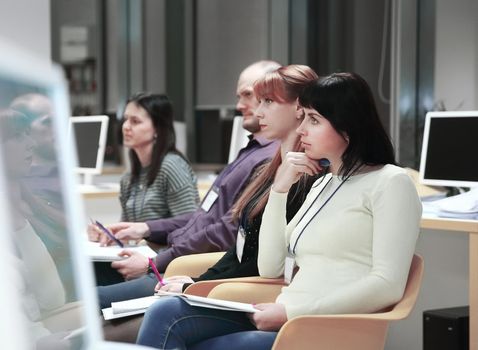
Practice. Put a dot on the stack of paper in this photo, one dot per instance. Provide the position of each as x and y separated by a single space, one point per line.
129 307
110 253
464 205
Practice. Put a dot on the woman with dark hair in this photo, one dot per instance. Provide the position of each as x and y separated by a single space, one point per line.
353 239
279 115
161 182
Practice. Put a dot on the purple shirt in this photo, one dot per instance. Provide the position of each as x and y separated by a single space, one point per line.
211 231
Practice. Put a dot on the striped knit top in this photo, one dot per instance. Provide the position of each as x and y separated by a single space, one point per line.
173 192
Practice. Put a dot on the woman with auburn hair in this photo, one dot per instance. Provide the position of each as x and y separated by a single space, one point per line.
353 239
279 115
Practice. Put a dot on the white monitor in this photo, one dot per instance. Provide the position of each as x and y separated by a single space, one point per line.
239 138
181 136
90 134
449 151
47 293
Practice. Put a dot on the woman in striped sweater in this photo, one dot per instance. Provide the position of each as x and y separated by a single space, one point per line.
161 183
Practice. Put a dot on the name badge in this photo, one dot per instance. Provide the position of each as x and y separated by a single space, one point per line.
209 200
289 268
240 241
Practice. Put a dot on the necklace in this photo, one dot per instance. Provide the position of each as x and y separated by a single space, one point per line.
144 189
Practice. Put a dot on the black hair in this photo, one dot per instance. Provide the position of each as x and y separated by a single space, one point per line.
346 101
160 110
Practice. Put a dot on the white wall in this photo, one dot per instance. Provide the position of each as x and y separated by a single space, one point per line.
27 24
456 65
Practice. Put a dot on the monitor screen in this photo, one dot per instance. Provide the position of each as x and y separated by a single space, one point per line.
90 138
48 279
449 151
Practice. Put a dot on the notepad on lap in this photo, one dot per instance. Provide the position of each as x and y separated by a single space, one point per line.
128 307
110 253
140 305
211 303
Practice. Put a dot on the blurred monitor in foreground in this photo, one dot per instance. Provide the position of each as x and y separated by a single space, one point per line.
47 296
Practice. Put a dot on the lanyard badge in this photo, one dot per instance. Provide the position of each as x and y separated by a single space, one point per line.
240 241
289 267
210 199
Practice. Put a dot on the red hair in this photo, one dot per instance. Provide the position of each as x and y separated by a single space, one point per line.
285 83
283 86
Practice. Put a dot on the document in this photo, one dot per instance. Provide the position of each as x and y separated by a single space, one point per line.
128 307
211 303
140 305
110 253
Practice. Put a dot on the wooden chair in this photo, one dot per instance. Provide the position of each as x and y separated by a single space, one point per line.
322 332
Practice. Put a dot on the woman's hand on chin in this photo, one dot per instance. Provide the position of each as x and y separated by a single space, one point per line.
292 168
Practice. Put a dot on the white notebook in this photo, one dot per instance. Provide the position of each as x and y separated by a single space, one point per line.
140 305
110 253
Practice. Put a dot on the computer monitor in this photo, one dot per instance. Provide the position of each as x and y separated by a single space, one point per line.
89 133
181 136
239 138
47 294
449 151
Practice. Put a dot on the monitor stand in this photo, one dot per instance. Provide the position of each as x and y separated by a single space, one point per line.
88 179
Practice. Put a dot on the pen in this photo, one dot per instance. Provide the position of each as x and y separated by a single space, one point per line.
155 270
108 233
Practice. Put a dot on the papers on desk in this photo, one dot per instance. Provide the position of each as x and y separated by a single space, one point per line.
110 253
464 205
140 305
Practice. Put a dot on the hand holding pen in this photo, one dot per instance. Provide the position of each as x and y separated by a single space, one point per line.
156 272
107 232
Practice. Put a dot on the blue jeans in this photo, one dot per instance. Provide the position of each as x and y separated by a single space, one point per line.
137 288
171 323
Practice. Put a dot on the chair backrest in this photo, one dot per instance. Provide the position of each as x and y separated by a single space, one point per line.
350 331
403 308
238 138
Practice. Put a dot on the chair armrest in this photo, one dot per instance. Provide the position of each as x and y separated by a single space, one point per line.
192 265
248 287
251 293
332 332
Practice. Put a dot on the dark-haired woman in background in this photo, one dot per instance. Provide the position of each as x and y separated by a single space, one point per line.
161 182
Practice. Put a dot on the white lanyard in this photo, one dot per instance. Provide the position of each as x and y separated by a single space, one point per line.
289 264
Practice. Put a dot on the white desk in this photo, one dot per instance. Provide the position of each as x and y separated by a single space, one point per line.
102 190
470 227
